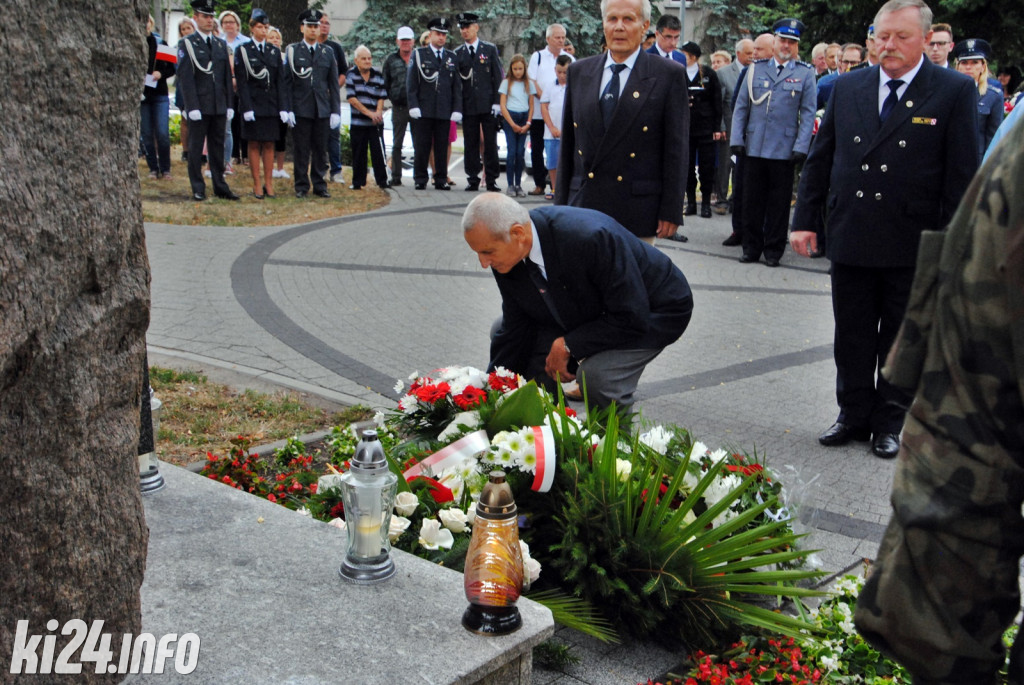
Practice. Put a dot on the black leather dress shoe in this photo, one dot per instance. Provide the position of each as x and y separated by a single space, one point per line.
705 211
690 210
421 186
747 259
199 197
841 433
493 188
885 445
733 240
678 237
301 193
472 187
321 193
442 186
771 261
228 196
396 183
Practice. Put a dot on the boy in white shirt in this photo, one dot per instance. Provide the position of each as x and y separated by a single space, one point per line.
551 102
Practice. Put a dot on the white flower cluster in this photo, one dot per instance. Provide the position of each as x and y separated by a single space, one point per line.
513 449
531 567
462 423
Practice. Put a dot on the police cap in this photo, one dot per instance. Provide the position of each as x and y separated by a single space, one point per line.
439 24
465 19
788 28
690 48
311 17
204 6
258 17
972 48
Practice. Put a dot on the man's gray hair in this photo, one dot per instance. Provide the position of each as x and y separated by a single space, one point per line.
645 8
495 212
361 49
551 29
738 48
819 49
897 5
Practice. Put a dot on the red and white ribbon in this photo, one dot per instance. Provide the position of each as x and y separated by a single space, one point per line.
544 443
166 54
461 450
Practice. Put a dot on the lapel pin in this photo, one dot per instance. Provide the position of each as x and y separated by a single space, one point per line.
910 103
636 94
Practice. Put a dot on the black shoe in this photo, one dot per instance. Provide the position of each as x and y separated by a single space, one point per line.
840 433
690 210
705 211
395 183
199 197
493 188
472 187
258 197
321 193
733 240
442 186
301 193
771 261
885 445
227 196
679 237
421 186
355 187
747 259
817 254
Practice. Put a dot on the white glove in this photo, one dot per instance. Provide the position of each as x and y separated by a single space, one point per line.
335 121
291 119
195 115
231 114
456 117
249 116
496 110
415 113
284 117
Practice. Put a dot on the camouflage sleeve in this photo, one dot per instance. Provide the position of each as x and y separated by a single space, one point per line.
945 584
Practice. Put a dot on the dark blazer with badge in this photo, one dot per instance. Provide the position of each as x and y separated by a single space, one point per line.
204 74
311 83
611 291
880 185
705 103
635 171
481 77
433 87
264 95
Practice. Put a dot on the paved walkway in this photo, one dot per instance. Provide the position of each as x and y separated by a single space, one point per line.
342 308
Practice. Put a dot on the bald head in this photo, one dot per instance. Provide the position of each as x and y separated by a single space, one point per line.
764 46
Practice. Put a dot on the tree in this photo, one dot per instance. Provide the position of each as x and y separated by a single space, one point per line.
74 307
284 14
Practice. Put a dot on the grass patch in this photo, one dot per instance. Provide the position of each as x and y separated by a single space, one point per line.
170 201
199 416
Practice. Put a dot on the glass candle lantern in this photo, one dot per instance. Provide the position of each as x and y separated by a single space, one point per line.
368 491
150 479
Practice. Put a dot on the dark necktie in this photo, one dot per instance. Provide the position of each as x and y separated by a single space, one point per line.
781 67
890 101
472 52
438 53
542 287
260 48
610 96
209 43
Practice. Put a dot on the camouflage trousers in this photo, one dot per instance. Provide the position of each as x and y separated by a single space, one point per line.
945 585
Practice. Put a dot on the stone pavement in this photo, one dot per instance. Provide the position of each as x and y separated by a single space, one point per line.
342 308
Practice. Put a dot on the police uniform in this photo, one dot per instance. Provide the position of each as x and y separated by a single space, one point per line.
311 96
990 103
480 71
434 89
204 79
258 73
771 126
705 94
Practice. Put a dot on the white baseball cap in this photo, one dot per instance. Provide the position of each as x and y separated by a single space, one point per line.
405 33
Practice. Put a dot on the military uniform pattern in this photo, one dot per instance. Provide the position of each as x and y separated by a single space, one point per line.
945 584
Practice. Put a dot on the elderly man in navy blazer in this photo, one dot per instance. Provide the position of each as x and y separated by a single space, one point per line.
626 149
580 296
894 153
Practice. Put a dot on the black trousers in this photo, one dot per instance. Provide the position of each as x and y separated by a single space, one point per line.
210 129
471 125
539 171
868 304
310 136
368 138
702 156
427 134
767 193
737 195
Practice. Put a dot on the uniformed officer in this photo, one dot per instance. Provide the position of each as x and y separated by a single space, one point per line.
204 78
771 128
705 129
434 89
480 72
258 69
972 57
312 103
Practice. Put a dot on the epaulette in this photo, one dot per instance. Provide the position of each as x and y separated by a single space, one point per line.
759 61
806 64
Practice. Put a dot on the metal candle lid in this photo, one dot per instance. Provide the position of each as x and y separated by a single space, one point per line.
369 458
496 500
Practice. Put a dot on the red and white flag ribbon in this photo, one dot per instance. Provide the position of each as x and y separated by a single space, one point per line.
166 54
544 443
462 449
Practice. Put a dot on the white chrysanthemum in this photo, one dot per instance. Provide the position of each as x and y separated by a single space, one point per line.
408 404
527 460
527 435
699 450
724 518
514 442
399 386
378 419
718 455
413 376
463 421
657 439
504 457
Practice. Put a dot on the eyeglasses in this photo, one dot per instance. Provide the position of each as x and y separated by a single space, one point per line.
938 43
849 62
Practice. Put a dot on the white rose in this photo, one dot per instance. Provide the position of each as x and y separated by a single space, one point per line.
432 536
623 467
399 524
454 519
406 503
531 569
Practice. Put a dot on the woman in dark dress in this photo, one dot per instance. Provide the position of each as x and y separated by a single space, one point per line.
258 75
155 108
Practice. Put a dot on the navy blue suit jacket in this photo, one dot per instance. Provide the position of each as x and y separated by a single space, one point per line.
611 291
676 54
881 185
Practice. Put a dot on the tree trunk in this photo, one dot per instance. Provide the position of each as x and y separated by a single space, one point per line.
284 14
74 308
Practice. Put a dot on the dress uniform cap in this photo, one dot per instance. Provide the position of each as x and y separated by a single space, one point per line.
311 17
871 31
465 19
259 17
972 48
440 24
204 6
405 33
690 48
788 28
